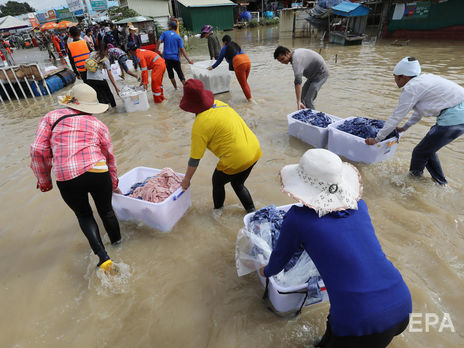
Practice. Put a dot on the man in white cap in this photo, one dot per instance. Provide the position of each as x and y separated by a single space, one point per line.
431 96
369 301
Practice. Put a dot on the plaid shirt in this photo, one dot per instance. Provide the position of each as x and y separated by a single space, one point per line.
75 146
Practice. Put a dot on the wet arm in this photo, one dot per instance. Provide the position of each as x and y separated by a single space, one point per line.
184 53
41 154
220 58
405 104
107 150
286 246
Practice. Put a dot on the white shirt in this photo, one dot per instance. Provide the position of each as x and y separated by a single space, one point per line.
427 95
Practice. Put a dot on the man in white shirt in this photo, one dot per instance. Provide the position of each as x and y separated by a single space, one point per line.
430 96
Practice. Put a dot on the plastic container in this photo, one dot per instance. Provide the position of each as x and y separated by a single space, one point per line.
162 216
312 135
137 101
216 80
287 299
355 149
115 71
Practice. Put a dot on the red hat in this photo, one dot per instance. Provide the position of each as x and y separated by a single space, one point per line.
196 98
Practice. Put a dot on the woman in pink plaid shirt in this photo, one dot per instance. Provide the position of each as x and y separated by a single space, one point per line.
78 147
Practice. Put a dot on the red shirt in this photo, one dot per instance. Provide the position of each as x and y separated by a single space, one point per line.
76 144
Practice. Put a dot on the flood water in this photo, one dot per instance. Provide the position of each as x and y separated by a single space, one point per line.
181 289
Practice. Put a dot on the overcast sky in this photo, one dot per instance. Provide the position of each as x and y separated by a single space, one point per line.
42 4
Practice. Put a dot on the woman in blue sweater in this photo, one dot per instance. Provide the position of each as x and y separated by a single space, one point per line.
369 300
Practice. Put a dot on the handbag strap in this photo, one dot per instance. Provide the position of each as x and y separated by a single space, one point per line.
66 116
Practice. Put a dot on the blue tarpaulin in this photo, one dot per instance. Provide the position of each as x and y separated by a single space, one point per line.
328 3
349 9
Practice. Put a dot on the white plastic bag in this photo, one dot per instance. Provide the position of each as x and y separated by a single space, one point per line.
254 247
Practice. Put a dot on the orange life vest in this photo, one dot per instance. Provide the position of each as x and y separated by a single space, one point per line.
80 53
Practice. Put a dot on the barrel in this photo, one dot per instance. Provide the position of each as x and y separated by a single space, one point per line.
67 76
54 83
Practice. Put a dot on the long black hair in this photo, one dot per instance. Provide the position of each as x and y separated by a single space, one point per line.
232 50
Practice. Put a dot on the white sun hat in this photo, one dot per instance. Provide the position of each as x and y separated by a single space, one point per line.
83 98
323 182
407 66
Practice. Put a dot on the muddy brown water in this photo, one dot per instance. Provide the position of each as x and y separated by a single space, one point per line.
181 289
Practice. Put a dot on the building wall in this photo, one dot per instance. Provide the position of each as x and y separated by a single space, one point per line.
194 18
159 9
441 15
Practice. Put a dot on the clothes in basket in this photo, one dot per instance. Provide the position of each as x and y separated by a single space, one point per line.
319 119
364 127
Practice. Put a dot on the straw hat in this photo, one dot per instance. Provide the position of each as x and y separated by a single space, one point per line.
131 27
83 98
408 66
323 182
196 98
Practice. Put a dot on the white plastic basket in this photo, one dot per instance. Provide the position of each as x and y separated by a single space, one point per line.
312 135
162 216
137 102
287 299
355 149
115 71
216 80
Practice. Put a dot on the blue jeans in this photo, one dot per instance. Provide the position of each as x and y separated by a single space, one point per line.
425 155
122 61
310 89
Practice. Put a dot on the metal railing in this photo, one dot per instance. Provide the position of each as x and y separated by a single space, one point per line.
29 73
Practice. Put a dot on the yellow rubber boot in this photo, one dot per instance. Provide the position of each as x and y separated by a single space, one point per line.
108 267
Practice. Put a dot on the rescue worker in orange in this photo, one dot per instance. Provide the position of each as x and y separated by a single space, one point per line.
56 43
150 60
78 52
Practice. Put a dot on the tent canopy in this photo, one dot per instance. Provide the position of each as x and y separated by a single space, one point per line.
349 9
9 22
134 20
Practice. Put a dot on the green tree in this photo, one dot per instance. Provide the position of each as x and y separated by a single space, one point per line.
118 13
14 8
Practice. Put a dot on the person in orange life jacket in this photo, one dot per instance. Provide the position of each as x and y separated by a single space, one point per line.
173 44
79 52
150 60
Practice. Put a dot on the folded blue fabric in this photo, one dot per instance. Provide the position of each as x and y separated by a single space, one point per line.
364 127
275 217
318 119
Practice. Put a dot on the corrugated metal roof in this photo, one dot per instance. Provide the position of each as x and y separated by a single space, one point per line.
206 3
349 9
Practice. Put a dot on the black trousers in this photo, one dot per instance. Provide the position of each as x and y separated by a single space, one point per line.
104 94
174 64
220 179
75 193
377 340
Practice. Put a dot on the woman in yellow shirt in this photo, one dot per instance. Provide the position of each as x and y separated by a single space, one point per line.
220 129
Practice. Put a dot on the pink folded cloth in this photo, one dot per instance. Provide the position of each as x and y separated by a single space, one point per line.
159 187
